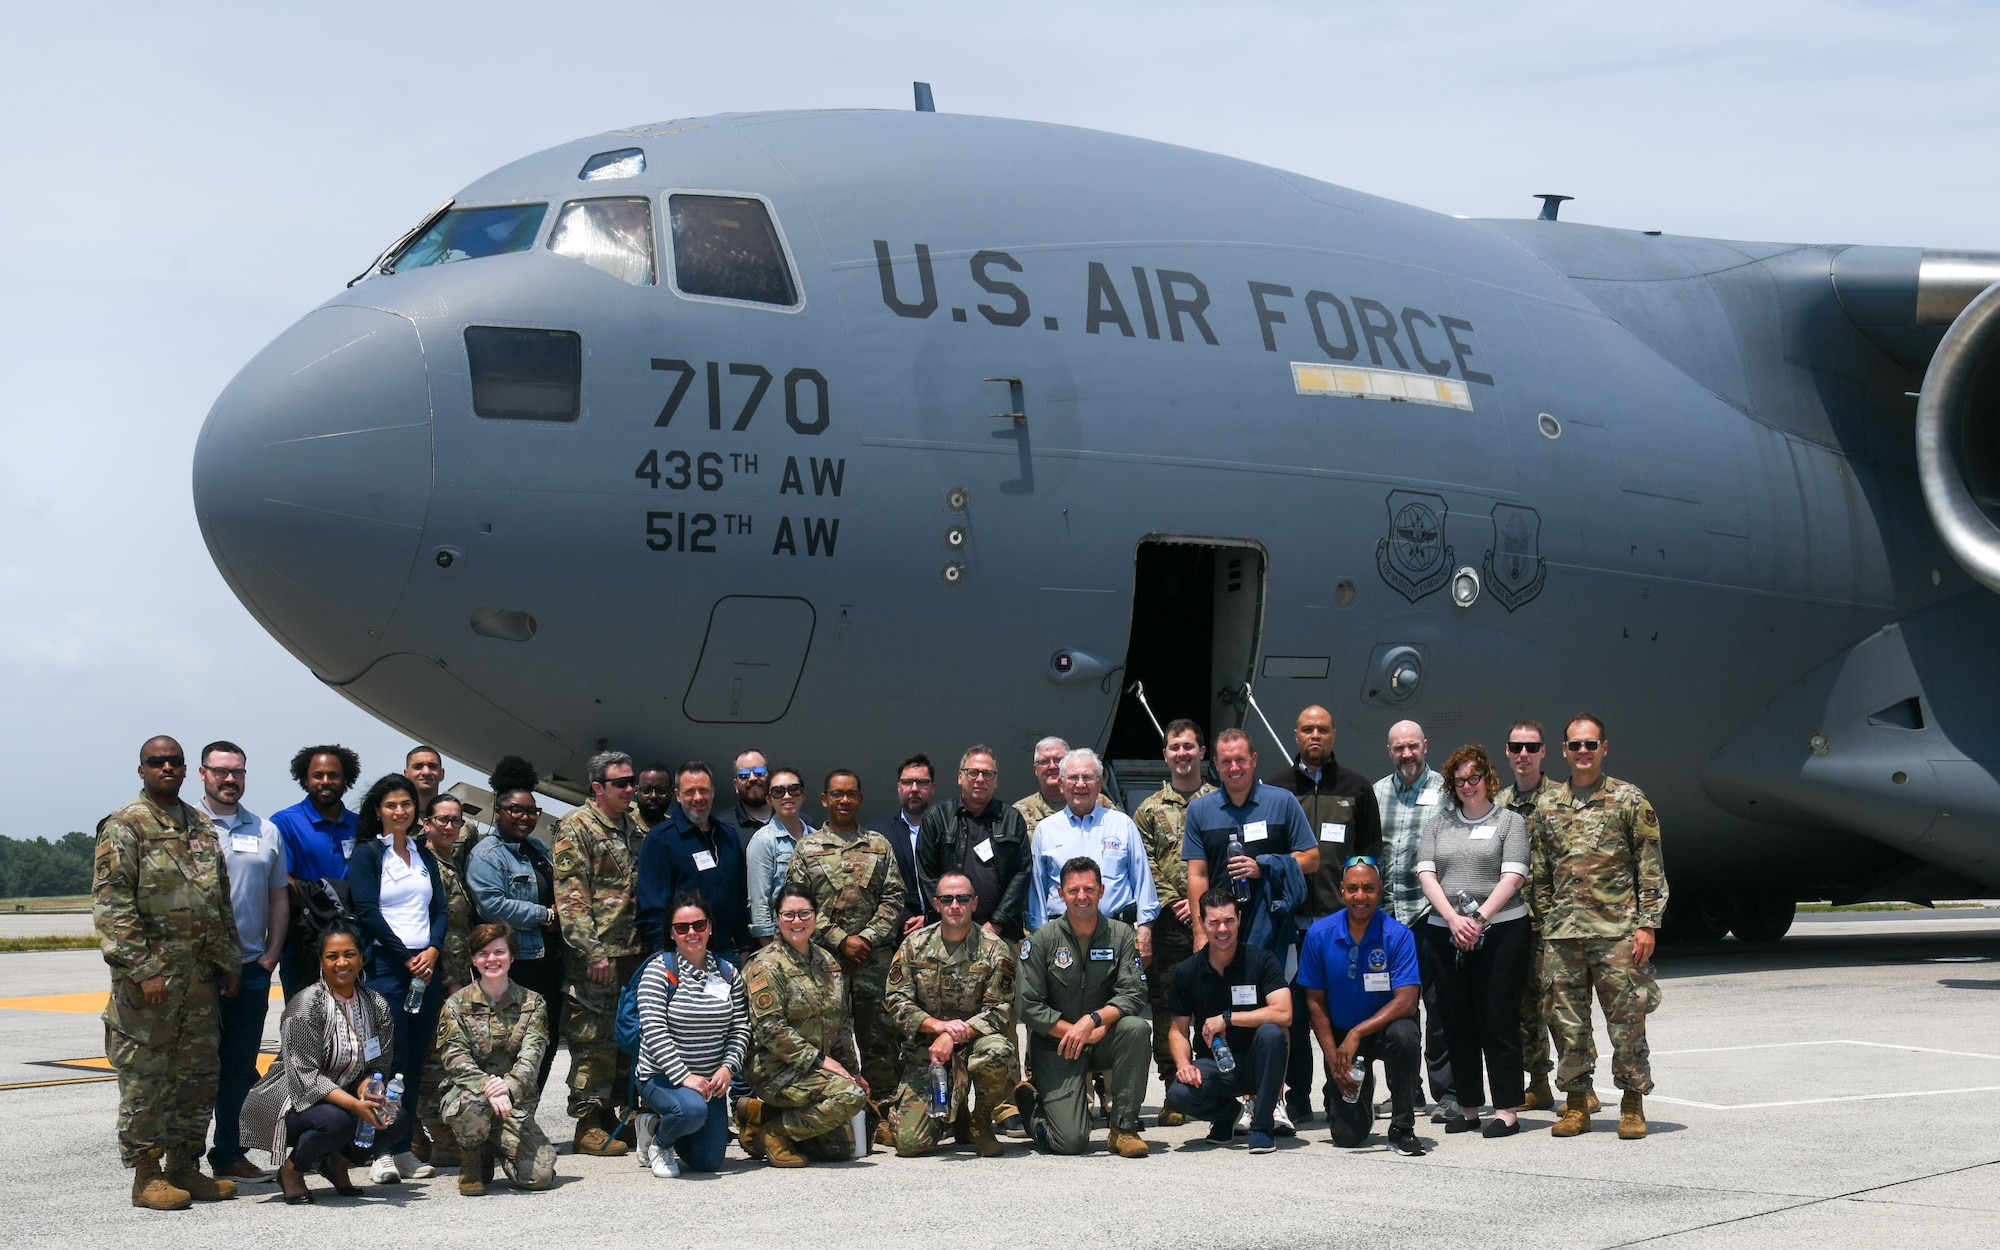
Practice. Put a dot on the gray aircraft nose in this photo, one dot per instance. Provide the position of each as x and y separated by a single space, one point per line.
311 480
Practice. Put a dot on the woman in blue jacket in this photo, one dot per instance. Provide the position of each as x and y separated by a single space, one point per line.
512 881
399 903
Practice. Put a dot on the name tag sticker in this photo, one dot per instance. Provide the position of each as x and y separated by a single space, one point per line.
1256 831
1375 982
703 861
347 848
984 851
1482 832
246 843
716 989
1330 832
372 1048
1429 798
1102 953
1242 996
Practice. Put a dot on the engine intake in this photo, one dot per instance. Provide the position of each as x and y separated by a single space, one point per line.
1958 438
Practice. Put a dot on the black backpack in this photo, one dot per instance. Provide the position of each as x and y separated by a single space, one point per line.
319 906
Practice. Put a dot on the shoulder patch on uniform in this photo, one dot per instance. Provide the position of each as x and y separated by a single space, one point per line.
1652 819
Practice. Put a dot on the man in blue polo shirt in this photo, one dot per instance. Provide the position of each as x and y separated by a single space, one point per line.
1359 971
319 836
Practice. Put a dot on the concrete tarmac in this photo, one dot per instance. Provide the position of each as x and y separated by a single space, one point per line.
1839 1088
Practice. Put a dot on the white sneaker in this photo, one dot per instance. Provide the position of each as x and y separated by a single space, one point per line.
665 1165
644 1126
383 1171
1281 1121
411 1168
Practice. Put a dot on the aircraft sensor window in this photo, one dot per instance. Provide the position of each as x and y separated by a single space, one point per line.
469 233
624 163
525 375
615 236
726 247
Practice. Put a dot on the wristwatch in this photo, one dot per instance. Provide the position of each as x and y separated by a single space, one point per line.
1097 1019
1226 1022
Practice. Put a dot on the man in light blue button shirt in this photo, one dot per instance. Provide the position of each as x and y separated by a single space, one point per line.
1104 834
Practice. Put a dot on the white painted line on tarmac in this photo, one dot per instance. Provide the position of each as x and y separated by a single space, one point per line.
1807 1102
1832 1041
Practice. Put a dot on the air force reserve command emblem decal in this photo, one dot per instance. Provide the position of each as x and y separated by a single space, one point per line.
1413 557
1515 569
1063 957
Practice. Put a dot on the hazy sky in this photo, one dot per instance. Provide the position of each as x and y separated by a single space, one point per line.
184 181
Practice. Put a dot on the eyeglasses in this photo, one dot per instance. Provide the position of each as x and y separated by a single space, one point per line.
745 774
515 809
165 761
448 822
227 774
1478 779
1524 748
620 783
793 791
954 900
1360 859
843 796
976 773
913 781
1584 744
684 927
796 917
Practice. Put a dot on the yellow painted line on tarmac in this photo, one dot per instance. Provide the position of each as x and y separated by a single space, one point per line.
90 1004
99 1064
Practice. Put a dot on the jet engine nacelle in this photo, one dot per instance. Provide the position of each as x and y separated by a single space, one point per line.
1958 438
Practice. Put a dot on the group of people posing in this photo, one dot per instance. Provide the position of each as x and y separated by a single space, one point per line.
812 990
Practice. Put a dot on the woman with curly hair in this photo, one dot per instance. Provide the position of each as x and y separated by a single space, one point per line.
1471 861
513 882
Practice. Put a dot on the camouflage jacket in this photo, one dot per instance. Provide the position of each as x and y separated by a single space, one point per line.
974 983
855 885
159 893
455 960
798 1014
1161 820
478 1038
597 884
1594 868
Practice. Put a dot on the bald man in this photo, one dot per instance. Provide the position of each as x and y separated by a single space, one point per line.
1339 804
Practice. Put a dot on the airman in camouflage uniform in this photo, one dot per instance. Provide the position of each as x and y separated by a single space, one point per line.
858 890
449 844
597 897
479 1038
160 898
951 989
1038 806
798 1017
1161 819
1599 886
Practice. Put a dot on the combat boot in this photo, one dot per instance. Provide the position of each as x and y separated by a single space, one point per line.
591 1139
1575 1117
420 1141
1632 1116
185 1173
984 1143
475 1170
153 1191
444 1147
1170 1118
749 1126
1128 1145
1540 1096
1595 1106
777 1149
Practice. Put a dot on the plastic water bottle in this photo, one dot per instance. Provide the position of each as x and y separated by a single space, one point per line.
395 1097
1225 1059
940 1108
1240 890
413 1000
364 1133
1358 1073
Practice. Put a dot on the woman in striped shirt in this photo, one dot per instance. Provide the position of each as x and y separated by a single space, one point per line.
694 1033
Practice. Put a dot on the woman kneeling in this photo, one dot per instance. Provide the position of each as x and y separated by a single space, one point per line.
490 1039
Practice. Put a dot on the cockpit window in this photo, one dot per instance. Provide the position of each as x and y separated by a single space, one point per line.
624 163
726 247
525 375
612 235
469 233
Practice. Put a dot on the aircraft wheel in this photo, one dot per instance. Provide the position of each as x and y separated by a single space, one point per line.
1696 918
1761 918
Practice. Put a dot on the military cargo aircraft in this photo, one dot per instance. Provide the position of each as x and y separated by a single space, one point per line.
847 434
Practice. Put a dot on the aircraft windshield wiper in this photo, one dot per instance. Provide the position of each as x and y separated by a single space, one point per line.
382 262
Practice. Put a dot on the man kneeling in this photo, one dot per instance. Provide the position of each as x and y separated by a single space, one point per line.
1081 998
1236 995
951 996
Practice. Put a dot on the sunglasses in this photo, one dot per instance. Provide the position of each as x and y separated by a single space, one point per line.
1361 859
165 761
954 900
1584 744
1525 748
745 774
684 927
619 783
793 791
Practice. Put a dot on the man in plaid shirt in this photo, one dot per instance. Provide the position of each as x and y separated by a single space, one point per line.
1408 797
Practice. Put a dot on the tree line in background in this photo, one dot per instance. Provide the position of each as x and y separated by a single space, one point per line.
37 867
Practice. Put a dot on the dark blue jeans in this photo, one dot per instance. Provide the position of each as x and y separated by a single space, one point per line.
1261 1071
695 1128
413 1037
242 1037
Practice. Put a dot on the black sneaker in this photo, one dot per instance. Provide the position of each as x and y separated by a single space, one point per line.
1404 1142
1222 1132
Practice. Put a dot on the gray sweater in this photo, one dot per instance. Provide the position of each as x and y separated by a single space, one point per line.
1472 855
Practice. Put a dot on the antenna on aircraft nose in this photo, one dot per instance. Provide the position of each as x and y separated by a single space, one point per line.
1551 205
924 104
